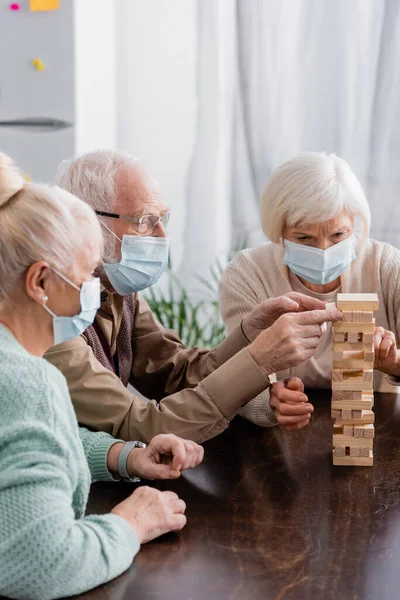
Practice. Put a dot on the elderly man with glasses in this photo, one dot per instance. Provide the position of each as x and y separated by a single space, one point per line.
193 392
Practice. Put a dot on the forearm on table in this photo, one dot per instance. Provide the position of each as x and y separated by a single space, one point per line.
200 413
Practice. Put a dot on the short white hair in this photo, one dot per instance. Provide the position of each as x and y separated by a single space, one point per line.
91 176
40 222
312 188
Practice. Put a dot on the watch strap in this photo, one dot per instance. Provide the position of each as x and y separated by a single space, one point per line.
123 460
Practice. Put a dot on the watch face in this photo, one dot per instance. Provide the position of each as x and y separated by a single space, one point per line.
140 445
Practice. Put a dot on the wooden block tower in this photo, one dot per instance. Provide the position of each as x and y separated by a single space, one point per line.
352 380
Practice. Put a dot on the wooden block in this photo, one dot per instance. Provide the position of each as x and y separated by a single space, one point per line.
355 316
364 302
338 356
354 451
347 316
367 416
339 337
352 405
348 430
337 395
337 375
368 375
367 338
352 384
367 316
353 338
346 413
352 364
353 374
350 347
365 451
347 327
347 395
358 431
369 431
356 414
369 356
336 414
357 395
347 441
339 451
354 461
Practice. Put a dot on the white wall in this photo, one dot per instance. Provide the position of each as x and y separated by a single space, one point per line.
95 79
156 94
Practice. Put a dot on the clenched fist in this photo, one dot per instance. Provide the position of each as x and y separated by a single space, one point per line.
164 458
290 404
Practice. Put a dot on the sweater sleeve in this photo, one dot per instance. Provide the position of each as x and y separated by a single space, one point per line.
96 446
390 278
47 550
238 296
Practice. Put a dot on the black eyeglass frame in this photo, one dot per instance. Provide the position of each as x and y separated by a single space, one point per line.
163 219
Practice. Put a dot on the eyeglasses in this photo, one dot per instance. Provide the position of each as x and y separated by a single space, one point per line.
146 225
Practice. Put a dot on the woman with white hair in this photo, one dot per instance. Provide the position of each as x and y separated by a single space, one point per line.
317 218
50 243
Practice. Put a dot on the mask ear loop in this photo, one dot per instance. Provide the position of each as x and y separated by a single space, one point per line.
65 279
110 230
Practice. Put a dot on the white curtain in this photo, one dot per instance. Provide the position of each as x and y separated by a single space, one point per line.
278 77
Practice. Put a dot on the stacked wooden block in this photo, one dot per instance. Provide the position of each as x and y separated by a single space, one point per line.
352 380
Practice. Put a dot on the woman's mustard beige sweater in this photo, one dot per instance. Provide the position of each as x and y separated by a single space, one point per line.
258 273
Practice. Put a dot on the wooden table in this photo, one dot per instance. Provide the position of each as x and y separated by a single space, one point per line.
269 517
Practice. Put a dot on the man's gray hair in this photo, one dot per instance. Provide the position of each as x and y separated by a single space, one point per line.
91 176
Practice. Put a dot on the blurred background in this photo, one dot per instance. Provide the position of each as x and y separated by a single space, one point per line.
212 95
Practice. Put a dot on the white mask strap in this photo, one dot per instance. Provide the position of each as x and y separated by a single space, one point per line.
110 230
65 278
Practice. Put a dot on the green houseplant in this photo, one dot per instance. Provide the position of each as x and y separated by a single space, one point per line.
197 322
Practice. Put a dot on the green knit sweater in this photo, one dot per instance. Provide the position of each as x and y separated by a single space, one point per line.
48 548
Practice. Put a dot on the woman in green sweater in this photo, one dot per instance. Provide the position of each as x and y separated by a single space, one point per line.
50 243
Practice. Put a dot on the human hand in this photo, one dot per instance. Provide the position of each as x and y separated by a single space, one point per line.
290 404
164 458
291 340
152 513
387 356
266 313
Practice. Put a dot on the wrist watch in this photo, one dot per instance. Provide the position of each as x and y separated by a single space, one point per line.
123 460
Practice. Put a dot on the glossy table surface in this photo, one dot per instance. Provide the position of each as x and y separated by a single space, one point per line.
269 517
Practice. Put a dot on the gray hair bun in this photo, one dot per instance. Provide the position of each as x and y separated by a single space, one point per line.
11 179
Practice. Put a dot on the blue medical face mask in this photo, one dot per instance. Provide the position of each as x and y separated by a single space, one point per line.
144 259
66 328
316 265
